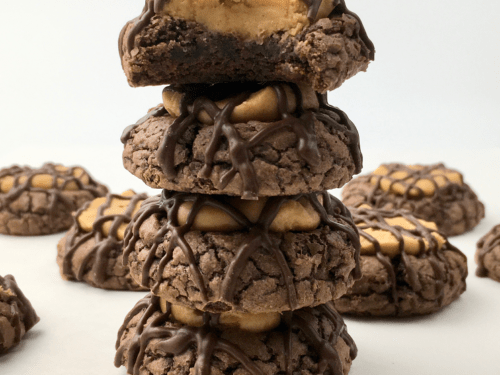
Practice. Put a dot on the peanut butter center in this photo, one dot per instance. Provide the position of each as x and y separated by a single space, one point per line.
248 19
118 206
390 245
246 322
414 179
292 216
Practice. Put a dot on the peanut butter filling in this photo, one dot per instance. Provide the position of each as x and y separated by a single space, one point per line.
414 179
293 216
118 206
246 322
248 19
47 181
262 105
390 245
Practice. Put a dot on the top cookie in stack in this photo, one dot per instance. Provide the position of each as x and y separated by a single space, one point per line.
316 42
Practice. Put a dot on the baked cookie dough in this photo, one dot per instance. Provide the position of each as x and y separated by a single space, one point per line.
41 201
17 316
240 139
431 192
308 341
220 254
488 255
408 267
320 43
92 250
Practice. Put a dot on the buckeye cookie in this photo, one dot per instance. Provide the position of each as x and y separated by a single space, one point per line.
41 201
92 250
222 254
240 139
408 267
308 341
431 192
17 316
318 42
488 255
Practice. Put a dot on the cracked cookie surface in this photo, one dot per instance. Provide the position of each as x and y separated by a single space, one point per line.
41 201
17 316
308 341
160 49
251 269
488 254
403 283
433 193
311 146
92 250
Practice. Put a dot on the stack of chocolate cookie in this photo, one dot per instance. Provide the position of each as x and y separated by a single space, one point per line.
244 249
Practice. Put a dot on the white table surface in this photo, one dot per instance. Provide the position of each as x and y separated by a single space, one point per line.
77 331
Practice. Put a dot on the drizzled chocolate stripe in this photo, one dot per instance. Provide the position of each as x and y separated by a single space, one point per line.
484 246
173 340
365 218
55 192
301 123
377 196
170 203
104 244
24 312
154 7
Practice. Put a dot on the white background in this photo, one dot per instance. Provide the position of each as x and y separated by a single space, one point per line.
432 94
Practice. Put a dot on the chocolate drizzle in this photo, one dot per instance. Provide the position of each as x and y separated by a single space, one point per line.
55 193
365 218
198 98
154 7
377 197
484 246
104 244
175 339
169 205
23 312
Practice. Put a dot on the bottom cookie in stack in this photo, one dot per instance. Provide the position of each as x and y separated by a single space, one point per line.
408 267
160 338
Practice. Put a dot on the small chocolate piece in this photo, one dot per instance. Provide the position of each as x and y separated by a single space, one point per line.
157 49
306 150
17 316
92 250
41 201
433 193
251 269
309 341
423 275
488 255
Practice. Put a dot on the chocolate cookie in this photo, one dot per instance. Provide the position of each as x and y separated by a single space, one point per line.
488 254
17 316
433 193
41 201
308 341
92 250
320 43
408 267
217 254
243 139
